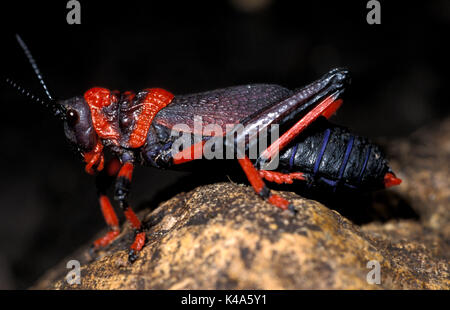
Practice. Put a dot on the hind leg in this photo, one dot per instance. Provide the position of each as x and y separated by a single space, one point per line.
320 98
260 187
282 178
326 108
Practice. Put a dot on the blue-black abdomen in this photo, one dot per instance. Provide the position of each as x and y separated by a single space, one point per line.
333 157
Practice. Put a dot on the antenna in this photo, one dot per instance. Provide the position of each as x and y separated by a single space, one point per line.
25 92
35 68
57 109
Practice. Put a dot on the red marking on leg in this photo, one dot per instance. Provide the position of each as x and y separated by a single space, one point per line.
391 180
97 98
132 218
110 219
335 105
154 101
280 178
108 212
325 108
106 239
252 174
126 171
278 201
113 167
94 157
189 154
258 184
139 242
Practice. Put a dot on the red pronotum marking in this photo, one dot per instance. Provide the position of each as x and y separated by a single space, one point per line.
154 101
97 98
326 108
94 157
280 178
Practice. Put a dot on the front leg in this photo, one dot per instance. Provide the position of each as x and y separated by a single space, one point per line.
103 181
122 188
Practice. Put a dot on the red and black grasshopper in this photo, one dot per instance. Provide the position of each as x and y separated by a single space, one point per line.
136 129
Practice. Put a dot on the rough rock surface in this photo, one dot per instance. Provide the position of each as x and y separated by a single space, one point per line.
222 236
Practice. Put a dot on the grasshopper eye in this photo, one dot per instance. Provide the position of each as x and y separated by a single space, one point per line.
72 117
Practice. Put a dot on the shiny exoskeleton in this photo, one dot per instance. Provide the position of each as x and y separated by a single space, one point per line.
141 129
328 155
332 157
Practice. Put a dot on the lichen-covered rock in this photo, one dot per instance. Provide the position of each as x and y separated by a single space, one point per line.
223 236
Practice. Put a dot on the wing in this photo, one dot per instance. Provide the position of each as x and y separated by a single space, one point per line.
320 98
222 106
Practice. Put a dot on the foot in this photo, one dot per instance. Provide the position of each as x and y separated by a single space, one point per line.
136 247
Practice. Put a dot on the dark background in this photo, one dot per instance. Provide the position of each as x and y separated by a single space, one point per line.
48 204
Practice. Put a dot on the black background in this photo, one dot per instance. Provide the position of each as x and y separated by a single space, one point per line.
48 204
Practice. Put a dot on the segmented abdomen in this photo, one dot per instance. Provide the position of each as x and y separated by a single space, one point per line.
333 157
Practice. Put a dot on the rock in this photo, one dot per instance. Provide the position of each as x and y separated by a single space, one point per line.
223 236
424 165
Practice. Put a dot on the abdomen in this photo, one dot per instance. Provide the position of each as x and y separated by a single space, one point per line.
332 157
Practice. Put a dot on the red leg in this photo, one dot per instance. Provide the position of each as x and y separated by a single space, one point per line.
188 154
280 178
331 86
94 158
260 188
326 108
123 182
112 221
252 175
103 182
